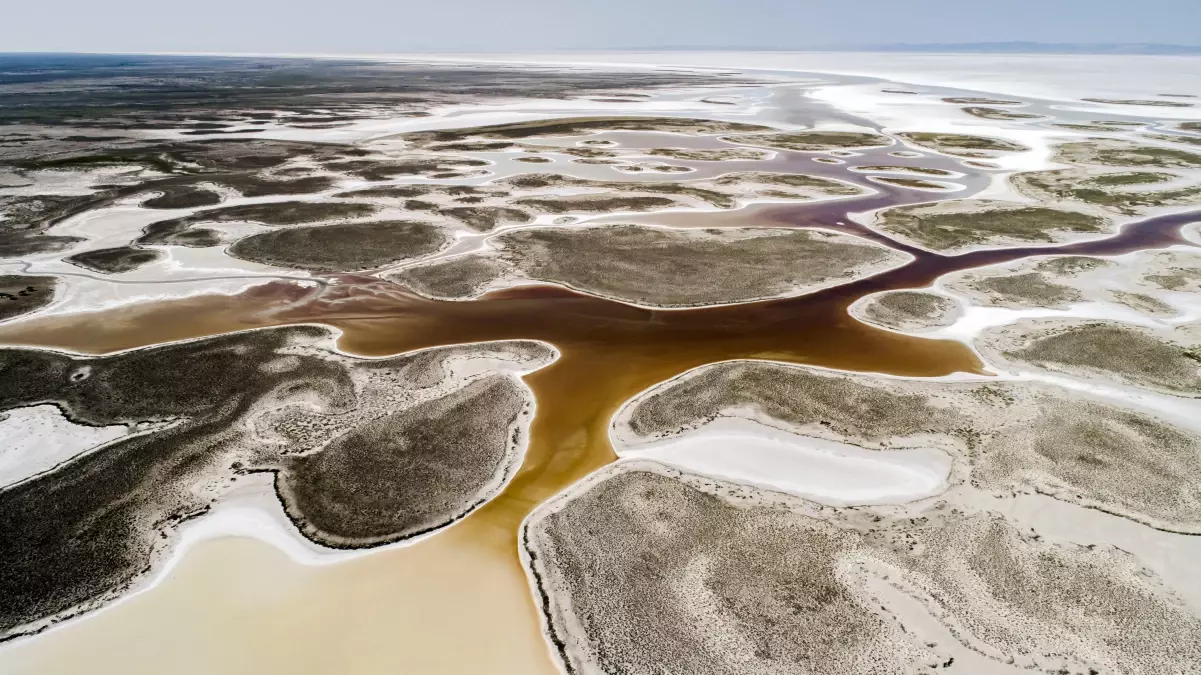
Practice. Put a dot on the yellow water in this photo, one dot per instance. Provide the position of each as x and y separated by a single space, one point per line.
457 602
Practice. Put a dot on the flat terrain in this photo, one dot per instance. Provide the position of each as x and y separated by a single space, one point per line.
1158 360
813 141
78 536
21 294
348 247
115 260
684 268
963 224
1005 435
849 431
961 144
906 310
724 578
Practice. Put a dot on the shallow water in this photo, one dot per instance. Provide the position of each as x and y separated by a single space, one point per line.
458 602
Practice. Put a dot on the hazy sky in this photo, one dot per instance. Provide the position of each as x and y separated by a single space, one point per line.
363 26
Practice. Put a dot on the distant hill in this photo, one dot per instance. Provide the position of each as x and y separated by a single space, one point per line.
971 48
1038 48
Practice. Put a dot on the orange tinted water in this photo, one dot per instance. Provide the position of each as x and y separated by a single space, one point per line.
457 602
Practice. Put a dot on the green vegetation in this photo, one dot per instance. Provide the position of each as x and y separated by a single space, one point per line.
180 231
595 203
960 144
958 225
723 155
684 268
456 278
1116 153
538 181
114 260
347 247
1144 303
999 114
1087 127
906 310
907 169
576 126
430 166
911 183
755 179
486 218
1024 290
1071 265
1176 138
1106 190
1128 101
813 141
1122 178
1118 350
973 100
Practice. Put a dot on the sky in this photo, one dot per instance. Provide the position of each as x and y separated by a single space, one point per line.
394 26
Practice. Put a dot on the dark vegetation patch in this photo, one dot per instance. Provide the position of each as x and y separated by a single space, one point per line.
654 266
170 92
77 536
1025 290
926 171
387 169
1117 153
1014 436
215 132
759 179
797 397
1071 265
1087 127
114 260
440 450
539 181
908 310
693 569
24 219
1110 190
257 186
21 294
457 278
976 100
1113 349
595 203
940 229
1129 101
347 247
911 183
999 114
576 126
183 197
1125 178
487 218
473 146
720 155
813 141
700 560
960 144
1176 138
180 231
